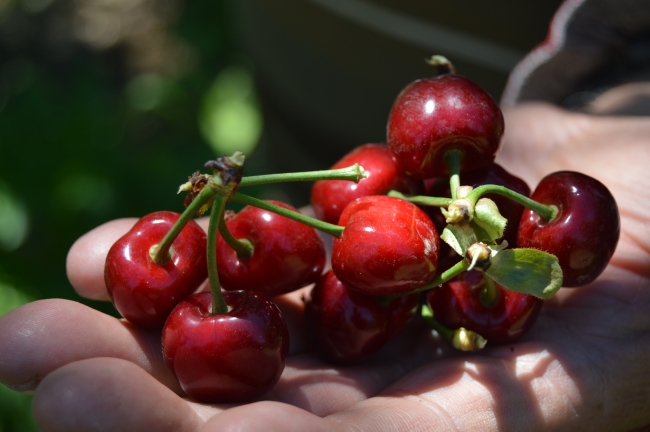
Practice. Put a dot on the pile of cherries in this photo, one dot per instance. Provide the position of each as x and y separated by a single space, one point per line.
387 206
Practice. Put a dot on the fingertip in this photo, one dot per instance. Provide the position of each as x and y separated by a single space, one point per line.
86 258
43 336
108 394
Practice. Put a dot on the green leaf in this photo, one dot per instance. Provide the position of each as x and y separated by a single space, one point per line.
481 234
487 216
528 271
459 238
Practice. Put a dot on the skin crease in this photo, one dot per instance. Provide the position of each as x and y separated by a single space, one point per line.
583 366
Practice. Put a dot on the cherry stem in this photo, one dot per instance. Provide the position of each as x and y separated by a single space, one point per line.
441 64
242 247
328 228
489 294
443 277
427 315
353 173
422 199
160 253
219 305
546 212
453 158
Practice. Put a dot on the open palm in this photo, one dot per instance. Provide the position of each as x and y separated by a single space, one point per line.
583 366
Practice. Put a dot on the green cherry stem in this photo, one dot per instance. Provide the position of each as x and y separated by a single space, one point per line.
461 338
490 294
422 199
353 173
243 247
443 277
328 228
427 315
546 212
219 305
453 158
160 253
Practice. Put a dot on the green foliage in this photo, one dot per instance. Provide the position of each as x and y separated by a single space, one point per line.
84 139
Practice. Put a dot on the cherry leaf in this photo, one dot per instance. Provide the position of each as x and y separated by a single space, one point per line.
481 235
528 271
487 216
459 238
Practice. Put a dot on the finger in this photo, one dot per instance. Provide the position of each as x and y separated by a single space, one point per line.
87 256
109 394
269 416
42 336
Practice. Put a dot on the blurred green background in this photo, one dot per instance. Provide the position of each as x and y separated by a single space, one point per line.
106 107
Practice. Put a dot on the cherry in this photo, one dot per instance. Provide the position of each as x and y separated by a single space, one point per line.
287 255
232 357
583 235
347 326
389 246
457 303
329 197
432 116
143 291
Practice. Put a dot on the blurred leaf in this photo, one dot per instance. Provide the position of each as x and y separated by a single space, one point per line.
14 221
230 117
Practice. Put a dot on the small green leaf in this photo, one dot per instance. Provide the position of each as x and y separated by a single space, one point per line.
481 234
528 271
487 216
459 238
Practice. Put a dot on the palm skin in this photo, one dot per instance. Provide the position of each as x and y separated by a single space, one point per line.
583 366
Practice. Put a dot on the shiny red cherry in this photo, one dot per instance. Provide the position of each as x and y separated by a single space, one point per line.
389 246
234 357
287 255
583 235
346 326
329 197
434 115
143 291
457 303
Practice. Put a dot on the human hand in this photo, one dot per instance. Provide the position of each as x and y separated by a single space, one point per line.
582 366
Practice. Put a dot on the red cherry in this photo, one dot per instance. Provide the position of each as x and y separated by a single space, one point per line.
389 246
329 197
457 304
234 357
583 235
143 291
287 255
347 326
434 115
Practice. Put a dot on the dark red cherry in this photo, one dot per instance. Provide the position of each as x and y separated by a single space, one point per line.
346 326
389 246
329 197
583 235
143 291
287 255
234 357
457 304
434 115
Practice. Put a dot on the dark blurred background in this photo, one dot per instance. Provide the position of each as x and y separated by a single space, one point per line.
107 106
